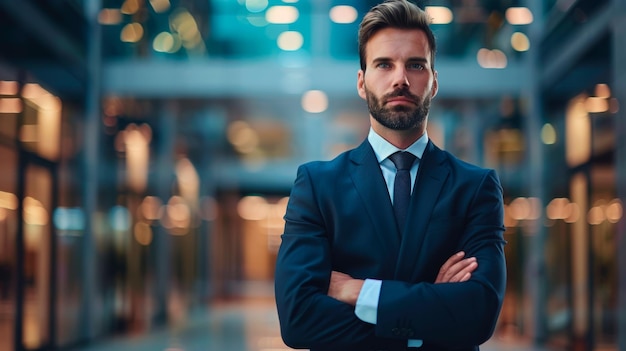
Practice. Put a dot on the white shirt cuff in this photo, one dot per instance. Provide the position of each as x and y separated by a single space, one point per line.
415 343
367 306
367 303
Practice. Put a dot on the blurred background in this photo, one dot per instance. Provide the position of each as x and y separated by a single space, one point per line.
148 148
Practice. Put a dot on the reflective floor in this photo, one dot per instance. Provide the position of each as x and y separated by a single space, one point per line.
247 324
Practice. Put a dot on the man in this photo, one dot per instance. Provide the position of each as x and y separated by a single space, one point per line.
356 270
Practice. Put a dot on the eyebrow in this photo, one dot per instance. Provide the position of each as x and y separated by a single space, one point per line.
411 59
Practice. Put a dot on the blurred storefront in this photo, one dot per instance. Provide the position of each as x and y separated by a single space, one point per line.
148 150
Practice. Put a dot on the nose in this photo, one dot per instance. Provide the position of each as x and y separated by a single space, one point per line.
401 79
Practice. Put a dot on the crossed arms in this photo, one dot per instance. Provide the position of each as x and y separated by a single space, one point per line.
456 308
457 269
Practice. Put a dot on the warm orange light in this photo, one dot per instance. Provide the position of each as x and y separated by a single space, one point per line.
137 146
557 208
34 212
160 6
614 211
282 14
595 104
8 87
110 16
519 15
491 58
241 135
439 14
574 213
131 33
10 105
343 14
314 101
253 208
33 91
290 41
8 200
577 132
130 7
603 91
177 216
509 222
596 215
520 42
188 181
520 208
29 133
143 233
151 208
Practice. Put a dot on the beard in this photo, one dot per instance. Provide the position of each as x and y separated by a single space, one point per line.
399 117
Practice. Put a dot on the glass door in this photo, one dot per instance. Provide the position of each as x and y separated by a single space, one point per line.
8 241
36 248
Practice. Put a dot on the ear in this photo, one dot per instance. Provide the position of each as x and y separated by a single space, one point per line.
435 87
360 84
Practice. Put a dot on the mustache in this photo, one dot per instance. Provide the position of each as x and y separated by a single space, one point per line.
405 93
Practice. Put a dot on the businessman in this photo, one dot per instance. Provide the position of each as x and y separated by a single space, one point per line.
396 244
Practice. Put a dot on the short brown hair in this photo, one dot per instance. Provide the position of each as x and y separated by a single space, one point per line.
399 14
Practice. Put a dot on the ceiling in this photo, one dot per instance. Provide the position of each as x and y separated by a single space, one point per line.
50 38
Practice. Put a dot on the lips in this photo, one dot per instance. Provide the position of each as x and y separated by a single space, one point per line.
400 99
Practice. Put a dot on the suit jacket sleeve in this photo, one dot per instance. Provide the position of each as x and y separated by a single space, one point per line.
308 316
455 315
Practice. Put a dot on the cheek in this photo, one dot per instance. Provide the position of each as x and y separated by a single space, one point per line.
422 86
374 84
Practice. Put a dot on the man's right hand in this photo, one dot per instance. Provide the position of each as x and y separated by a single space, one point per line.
457 269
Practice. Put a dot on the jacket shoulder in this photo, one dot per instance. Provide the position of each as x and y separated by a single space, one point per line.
461 166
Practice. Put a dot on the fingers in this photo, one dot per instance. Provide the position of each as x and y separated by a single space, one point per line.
456 269
444 270
466 267
452 261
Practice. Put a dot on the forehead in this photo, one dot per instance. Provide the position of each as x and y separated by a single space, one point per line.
398 43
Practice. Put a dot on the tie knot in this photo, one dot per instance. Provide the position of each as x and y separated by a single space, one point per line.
402 160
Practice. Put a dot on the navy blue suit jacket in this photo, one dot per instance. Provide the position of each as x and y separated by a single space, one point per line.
340 217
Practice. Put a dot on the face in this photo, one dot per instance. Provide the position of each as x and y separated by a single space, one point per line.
399 82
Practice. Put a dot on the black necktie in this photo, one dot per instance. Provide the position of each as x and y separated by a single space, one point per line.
402 185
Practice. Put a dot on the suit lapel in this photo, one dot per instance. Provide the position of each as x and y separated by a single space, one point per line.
370 185
428 183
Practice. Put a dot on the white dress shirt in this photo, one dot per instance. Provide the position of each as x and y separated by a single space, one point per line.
367 303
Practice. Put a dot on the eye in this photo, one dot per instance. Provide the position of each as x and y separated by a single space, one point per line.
383 65
415 66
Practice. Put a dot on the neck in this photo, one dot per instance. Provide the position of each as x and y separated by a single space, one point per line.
401 139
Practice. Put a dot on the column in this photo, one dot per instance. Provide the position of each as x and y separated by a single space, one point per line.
90 164
618 86
535 271
164 171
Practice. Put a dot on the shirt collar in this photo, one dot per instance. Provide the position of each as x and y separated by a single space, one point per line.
383 148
